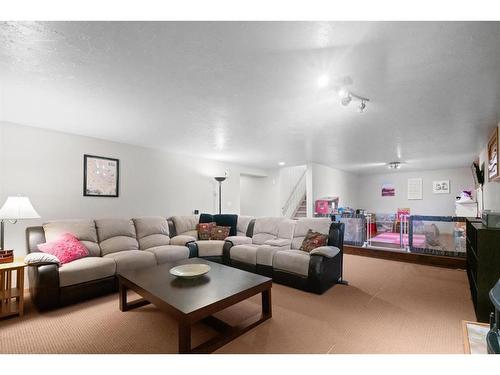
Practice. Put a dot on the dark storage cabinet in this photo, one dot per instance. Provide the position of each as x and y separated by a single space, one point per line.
483 266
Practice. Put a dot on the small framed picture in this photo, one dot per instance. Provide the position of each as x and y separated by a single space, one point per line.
441 187
101 176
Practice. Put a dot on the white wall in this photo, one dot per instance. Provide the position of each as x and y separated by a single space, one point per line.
370 196
258 195
47 166
491 189
324 181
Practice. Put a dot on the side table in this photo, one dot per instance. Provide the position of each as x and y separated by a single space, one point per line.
12 296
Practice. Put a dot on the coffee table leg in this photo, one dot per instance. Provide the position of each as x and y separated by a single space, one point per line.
123 296
267 309
184 337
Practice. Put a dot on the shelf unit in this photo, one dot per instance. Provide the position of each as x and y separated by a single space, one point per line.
483 265
12 296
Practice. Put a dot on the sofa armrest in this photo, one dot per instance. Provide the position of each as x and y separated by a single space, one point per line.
181 240
279 242
239 240
193 249
326 251
39 258
44 285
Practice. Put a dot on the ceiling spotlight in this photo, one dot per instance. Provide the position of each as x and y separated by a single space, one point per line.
281 163
343 93
362 107
346 100
323 81
394 165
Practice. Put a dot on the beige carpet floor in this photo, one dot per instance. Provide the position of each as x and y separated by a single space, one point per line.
388 307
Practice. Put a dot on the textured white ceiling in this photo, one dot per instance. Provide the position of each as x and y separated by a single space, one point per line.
247 92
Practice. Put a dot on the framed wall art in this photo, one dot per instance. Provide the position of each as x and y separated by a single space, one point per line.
101 176
388 190
493 173
414 188
441 187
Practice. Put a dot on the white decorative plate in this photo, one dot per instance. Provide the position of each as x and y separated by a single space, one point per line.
190 271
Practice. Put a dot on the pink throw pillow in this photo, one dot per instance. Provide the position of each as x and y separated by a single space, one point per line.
66 248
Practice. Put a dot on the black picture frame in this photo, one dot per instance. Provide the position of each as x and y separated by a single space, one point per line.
86 192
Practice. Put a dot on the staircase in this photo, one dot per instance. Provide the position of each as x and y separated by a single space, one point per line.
301 210
295 205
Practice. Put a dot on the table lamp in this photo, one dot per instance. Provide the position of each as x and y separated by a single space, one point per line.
14 209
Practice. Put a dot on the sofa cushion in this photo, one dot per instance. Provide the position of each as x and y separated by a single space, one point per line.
206 218
266 228
293 261
86 269
169 253
204 230
116 235
242 226
279 242
265 254
239 240
83 229
181 240
186 225
219 233
151 231
313 240
302 226
244 253
66 248
210 248
286 229
132 259
227 220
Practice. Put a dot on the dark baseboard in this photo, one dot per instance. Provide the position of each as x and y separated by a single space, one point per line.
428 260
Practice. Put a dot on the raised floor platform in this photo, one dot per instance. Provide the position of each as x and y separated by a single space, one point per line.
401 256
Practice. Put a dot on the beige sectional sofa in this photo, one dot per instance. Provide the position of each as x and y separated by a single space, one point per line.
269 246
114 245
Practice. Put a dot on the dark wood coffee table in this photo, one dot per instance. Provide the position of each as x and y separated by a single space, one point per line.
193 300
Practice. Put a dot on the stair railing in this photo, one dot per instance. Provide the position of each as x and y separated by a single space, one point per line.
296 196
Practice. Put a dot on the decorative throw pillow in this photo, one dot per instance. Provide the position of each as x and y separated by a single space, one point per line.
313 240
219 233
205 230
66 248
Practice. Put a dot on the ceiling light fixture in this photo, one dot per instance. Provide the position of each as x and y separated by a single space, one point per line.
362 107
346 97
343 93
394 165
323 81
281 163
346 100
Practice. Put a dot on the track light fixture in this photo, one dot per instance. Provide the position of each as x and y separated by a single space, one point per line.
362 107
394 165
347 97
346 100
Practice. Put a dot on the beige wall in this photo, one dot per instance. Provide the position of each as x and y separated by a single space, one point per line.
324 181
259 195
370 196
47 166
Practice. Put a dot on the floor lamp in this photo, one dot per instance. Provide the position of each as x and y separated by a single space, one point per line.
220 180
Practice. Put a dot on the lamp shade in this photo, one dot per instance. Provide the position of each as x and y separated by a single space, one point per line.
17 208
